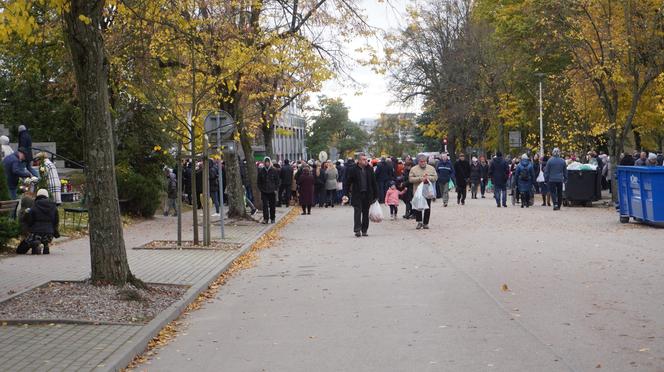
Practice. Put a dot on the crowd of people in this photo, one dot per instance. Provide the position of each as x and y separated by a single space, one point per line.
391 181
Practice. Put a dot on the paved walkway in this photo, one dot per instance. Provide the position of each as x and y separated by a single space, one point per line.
66 347
584 293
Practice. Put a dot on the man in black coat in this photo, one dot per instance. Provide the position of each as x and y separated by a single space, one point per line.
362 187
286 175
462 173
268 184
499 173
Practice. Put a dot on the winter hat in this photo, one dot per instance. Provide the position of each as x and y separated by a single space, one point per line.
4 140
524 157
392 183
267 158
474 159
22 128
42 192
23 150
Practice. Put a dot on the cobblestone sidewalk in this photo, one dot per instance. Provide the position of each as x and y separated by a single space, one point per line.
66 347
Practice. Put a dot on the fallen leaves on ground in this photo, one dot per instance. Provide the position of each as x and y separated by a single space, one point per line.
504 288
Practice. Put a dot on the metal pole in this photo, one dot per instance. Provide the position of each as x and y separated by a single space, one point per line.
180 170
206 193
541 120
221 183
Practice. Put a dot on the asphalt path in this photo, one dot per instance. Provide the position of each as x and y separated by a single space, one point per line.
485 289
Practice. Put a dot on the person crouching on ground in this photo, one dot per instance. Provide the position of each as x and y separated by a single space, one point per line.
392 199
42 221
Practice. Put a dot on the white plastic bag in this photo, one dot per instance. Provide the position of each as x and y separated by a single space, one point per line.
540 177
428 190
419 202
375 213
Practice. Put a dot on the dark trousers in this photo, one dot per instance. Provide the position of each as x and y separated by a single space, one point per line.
361 215
332 197
461 193
269 205
483 187
500 193
525 199
425 213
306 209
394 209
382 190
284 194
556 189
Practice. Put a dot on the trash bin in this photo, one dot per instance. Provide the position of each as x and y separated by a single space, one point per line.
583 186
641 194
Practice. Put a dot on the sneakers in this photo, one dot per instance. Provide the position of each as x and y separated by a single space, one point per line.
358 234
253 211
419 226
215 214
425 227
271 221
364 233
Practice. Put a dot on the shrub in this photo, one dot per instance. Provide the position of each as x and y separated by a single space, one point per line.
9 229
142 194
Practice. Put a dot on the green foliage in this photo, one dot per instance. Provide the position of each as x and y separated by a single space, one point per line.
142 193
393 136
9 229
4 189
333 128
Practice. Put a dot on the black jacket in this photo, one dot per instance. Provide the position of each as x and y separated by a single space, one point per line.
353 185
43 217
214 177
268 180
286 175
499 171
25 141
462 172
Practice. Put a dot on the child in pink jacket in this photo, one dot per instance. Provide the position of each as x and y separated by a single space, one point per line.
392 199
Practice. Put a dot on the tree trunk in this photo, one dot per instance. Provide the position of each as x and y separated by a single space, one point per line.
252 172
637 140
268 134
235 189
84 39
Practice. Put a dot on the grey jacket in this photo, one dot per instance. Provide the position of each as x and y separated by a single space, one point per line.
555 170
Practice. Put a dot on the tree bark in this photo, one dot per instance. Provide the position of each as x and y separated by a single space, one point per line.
86 45
268 134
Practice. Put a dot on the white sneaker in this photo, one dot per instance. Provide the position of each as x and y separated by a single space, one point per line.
215 214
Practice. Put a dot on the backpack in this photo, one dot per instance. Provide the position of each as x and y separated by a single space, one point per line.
524 175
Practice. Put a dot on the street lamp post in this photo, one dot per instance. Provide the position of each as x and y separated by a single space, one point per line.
541 75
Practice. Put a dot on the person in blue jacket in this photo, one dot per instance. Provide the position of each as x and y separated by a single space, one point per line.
499 173
525 176
445 172
14 169
555 175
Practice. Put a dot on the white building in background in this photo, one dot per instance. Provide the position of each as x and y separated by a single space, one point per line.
288 141
368 125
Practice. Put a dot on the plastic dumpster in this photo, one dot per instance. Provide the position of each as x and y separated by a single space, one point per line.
641 194
583 186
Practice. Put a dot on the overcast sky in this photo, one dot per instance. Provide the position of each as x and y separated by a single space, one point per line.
376 97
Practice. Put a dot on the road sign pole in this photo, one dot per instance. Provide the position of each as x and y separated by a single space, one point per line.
221 183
